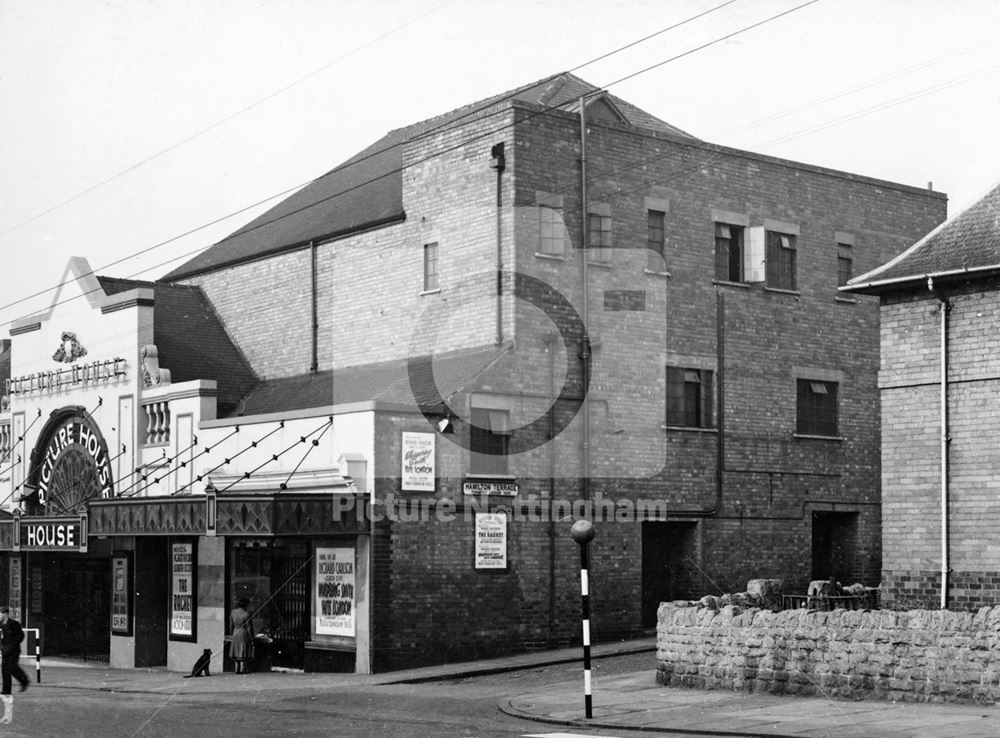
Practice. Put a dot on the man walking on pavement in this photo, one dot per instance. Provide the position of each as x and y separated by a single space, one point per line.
11 635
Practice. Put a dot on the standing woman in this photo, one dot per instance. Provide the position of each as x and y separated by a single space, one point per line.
242 644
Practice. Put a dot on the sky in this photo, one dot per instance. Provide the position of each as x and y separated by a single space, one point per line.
136 133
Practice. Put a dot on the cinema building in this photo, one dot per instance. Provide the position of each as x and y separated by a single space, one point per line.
140 502
544 305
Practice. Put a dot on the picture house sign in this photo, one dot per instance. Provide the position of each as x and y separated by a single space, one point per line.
50 534
94 372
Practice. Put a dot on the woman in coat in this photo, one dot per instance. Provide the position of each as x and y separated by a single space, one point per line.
241 623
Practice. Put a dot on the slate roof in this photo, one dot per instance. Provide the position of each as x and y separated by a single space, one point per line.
387 381
967 245
191 340
366 191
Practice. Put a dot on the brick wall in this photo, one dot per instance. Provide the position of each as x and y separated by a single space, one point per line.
916 656
911 457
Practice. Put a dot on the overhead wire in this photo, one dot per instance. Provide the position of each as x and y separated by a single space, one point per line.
219 123
448 122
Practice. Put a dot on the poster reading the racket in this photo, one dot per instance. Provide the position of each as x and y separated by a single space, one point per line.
182 599
335 591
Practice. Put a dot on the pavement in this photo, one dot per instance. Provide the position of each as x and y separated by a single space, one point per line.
622 702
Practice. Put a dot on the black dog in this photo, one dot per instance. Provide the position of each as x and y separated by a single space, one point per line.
200 667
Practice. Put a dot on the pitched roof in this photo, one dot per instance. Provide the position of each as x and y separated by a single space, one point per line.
435 378
966 245
191 340
366 191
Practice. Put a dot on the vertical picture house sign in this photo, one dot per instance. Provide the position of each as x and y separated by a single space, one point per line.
182 600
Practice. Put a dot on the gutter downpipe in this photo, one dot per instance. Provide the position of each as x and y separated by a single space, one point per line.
499 163
943 309
585 352
314 299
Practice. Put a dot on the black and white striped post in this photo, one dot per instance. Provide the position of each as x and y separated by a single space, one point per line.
583 533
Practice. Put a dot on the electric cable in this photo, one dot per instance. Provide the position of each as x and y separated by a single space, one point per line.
449 122
217 124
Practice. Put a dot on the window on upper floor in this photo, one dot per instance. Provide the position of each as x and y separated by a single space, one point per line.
489 439
845 263
816 407
780 261
729 252
689 397
551 231
430 267
599 233
655 226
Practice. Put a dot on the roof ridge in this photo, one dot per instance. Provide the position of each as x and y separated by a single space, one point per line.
476 105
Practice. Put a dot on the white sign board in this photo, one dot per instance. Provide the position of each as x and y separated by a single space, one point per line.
335 591
491 541
182 601
418 462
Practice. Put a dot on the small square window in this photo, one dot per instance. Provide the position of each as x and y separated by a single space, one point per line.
816 408
430 266
689 397
655 222
728 252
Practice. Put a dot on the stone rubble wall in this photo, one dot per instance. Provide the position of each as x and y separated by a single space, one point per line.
917 656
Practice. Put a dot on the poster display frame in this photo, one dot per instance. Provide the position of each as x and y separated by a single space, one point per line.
124 559
192 578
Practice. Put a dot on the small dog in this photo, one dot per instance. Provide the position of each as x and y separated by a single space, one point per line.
200 667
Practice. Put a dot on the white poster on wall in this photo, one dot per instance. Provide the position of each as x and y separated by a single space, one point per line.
418 462
182 600
335 591
491 540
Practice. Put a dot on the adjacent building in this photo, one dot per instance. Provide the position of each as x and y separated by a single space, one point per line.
939 383
382 404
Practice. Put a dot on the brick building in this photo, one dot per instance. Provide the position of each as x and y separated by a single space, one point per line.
545 305
939 382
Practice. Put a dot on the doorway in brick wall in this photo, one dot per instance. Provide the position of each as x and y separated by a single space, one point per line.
835 546
668 570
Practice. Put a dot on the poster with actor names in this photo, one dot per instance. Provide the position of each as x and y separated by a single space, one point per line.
182 597
335 591
418 462
491 540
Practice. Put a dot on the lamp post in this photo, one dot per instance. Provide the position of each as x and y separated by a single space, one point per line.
583 533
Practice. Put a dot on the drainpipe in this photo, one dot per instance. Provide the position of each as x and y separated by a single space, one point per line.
943 309
550 341
314 300
585 352
499 163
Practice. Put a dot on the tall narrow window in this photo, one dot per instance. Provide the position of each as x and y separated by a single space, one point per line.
551 241
689 397
728 252
489 437
816 405
655 257
599 230
845 263
430 266
780 261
